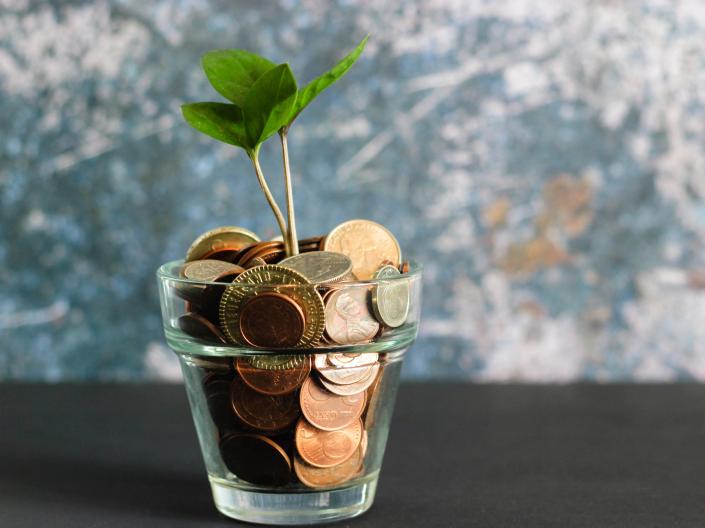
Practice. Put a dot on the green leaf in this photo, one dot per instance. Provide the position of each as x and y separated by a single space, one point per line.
233 72
268 103
218 120
316 86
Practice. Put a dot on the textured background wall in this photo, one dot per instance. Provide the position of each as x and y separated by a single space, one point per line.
543 159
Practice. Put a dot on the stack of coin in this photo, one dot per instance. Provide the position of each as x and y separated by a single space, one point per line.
242 291
283 419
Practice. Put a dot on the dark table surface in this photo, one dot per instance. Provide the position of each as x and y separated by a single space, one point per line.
459 455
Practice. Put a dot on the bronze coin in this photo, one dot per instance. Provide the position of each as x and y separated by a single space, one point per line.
315 477
254 250
261 411
328 411
199 327
353 388
327 448
273 382
256 459
271 320
405 267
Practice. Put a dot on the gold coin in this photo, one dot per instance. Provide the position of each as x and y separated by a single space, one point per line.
219 239
277 362
391 299
272 278
368 244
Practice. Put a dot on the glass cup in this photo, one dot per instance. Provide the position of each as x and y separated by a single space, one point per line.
292 435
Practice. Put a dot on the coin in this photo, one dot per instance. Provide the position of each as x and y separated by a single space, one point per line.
327 411
277 279
347 318
261 411
327 448
341 375
256 459
271 320
351 359
277 361
314 477
262 248
216 388
274 382
368 244
218 239
199 327
208 270
390 299
320 266
352 388
405 267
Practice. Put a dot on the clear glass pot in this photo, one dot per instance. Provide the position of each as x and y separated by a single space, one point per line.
292 435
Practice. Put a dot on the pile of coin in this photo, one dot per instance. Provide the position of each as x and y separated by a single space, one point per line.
242 291
287 419
298 416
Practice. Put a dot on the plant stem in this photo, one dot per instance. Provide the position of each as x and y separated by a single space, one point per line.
290 215
254 156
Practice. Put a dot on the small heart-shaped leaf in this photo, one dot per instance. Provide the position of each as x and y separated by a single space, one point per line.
268 103
221 121
233 72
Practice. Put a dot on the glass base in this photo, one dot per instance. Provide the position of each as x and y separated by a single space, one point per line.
292 508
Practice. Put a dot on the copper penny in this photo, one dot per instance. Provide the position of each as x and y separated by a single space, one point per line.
348 320
353 388
199 327
273 382
368 244
256 249
256 459
341 375
315 477
405 267
271 320
327 448
328 411
261 411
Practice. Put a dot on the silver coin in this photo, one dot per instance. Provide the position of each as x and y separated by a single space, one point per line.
391 299
320 266
207 270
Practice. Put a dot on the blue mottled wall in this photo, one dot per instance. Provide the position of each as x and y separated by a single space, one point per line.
543 159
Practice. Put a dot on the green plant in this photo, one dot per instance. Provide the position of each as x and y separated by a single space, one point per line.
264 100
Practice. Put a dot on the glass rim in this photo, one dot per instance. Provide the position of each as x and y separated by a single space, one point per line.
166 272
